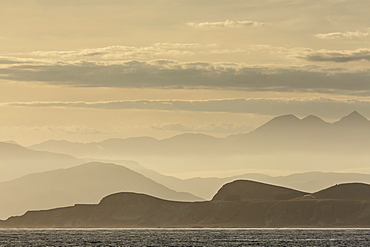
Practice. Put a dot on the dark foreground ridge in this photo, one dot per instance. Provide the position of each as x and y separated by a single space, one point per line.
241 203
245 190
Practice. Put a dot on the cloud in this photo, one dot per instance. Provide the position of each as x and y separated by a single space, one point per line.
169 74
261 106
338 56
121 52
153 67
342 35
73 129
11 60
210 127
224 24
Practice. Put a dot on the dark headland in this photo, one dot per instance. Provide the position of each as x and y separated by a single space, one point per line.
240 203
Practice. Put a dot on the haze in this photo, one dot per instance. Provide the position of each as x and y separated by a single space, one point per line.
175 98
91 70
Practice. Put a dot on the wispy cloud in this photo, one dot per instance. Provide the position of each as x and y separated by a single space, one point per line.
342 35
210 127
261 106
338 56
73 129
224 24
121 52
15 60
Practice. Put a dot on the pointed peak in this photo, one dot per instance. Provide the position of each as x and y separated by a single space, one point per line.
352 118
355 115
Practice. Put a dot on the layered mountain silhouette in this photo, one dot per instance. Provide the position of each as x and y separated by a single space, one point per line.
311 134
86 183
206 187
16 161
345 140
252 209
284 133
287 142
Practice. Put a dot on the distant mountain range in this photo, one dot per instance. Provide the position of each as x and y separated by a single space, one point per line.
16 161
311 134
346 140
86 183
287 133
237 204
284 143
89 182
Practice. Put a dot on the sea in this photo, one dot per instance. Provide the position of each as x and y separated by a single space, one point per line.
185 237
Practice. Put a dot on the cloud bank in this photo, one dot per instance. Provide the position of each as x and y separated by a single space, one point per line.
272 107
153 67
171 74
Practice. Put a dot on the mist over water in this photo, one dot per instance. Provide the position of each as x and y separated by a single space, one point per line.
185 237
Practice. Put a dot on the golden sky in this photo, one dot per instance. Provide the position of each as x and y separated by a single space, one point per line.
87 70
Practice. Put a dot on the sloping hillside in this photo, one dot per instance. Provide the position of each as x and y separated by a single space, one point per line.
86 183
138 210
16 161
244 190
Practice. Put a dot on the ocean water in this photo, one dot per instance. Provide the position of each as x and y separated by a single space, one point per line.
185 237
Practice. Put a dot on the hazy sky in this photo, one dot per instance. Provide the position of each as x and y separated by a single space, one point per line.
87 70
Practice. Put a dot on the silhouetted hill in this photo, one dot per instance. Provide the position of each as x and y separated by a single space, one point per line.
86 183
208 186
350 191
314 121
244 190
129 209
16 161
138 210
281 123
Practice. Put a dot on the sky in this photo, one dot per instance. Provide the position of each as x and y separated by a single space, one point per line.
88 70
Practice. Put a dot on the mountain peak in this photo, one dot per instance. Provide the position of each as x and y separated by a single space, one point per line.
283 119
355 114
280 122
287 117
354 117
311 119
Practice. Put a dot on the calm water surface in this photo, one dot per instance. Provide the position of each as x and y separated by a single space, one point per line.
185 237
